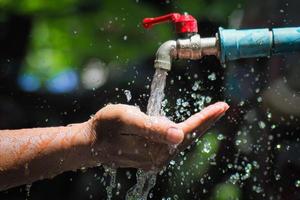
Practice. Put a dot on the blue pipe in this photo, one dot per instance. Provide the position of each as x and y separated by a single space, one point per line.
236 44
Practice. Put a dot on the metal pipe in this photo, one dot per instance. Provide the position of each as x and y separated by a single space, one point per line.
192 48
249 43
210 46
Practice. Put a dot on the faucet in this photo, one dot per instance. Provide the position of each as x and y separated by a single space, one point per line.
227 45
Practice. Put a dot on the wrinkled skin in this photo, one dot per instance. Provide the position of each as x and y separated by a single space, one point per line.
126 137
118 135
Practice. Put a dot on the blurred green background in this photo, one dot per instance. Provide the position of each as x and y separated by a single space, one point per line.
68 35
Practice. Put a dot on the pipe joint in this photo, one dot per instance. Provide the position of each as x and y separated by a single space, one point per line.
192 48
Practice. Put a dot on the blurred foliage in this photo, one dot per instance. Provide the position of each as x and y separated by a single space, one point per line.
37 6
195 164
67 33
203 156
113 33
216 10
226 191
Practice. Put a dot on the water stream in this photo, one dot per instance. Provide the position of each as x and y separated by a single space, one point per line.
112 172
147 179
157 93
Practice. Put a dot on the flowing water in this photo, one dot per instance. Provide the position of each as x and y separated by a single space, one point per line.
112 182
145 180
157 92
27 189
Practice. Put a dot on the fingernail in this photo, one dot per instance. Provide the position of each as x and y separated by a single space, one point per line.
175 135
222 105
226 107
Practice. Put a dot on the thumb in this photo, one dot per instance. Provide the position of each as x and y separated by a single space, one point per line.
202 121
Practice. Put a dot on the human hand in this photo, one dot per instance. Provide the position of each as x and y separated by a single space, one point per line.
123 136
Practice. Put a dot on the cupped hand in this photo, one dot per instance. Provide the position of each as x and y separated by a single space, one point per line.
126 137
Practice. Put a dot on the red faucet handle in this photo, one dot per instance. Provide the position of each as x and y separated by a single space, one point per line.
183 23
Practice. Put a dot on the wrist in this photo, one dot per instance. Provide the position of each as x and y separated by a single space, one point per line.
90 149
82 139
84 133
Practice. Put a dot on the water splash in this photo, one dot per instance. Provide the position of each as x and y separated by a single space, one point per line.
112 182
297 183
128 95
27 189
147 179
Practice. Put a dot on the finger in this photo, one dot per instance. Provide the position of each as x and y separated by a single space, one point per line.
160 129
163 130
202 121
196 121
155 129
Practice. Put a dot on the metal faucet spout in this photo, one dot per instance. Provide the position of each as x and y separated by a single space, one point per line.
165 54
192 48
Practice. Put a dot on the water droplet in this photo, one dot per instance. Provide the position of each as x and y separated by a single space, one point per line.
273 126
212 76
257 189
207 147
128 95
297 183
208 99
27 189
220 137
196 86
112 183
238 142
120 152
128 174
261 124
259 99
172 162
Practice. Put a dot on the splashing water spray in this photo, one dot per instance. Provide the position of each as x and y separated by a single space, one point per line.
227 45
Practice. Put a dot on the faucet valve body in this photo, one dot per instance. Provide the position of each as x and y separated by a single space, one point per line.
192 48
195 47
189 46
